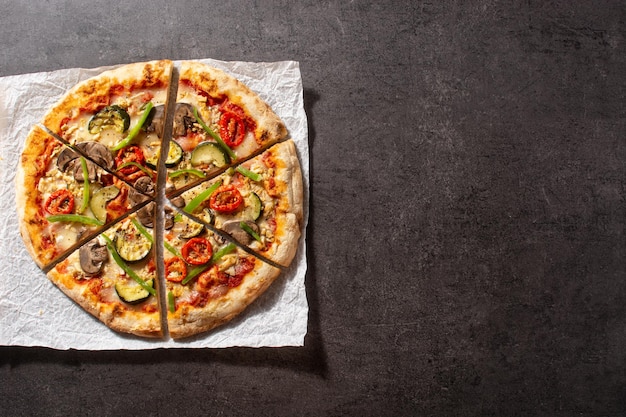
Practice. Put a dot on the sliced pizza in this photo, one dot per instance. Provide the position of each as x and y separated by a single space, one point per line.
113 277
123 109
89 186
258 203
64 199
208 278
217 121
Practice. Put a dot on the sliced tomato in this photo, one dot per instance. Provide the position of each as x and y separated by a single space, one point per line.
127 155
232 128
60 202
226 199
197 251
175 269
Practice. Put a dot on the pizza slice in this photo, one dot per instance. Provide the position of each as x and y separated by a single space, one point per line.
64 198
208 278
123 109
217 121
113 277
258 203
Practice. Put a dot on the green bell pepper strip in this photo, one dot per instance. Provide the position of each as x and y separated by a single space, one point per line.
249 231
245 171
135 130
120 262
148 236
216 257
197 200
172 249
171 302
224 251
74 218
135 164
142 230
85 204
214 135
194 273
191 171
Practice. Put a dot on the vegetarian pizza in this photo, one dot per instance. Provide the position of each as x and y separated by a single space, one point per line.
161 207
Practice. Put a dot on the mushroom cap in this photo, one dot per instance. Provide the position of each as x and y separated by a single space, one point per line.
97 152
92 257
183 119
77 169
169 218
156 120
142 188
146 214
66 156
68 161
233 228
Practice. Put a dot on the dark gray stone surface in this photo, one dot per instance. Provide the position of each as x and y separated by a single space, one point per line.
466 233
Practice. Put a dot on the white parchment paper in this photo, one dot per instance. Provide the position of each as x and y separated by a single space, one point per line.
33 312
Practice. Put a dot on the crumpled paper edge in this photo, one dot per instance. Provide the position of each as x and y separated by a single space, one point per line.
31 307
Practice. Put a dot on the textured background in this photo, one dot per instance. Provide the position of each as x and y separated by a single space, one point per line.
466 235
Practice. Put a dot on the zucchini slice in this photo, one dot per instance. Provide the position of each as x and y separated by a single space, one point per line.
100 199
253 207
132 293
209 153
110 116
174 156
188 228
152 161
131 244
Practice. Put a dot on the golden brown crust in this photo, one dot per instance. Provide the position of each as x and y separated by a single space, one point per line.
216 83
32 165
189 320
95 93
98 296
113 314
289 216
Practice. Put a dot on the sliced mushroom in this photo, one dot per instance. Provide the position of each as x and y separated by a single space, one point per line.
145 185
77 168
146 214
156 120
233 228
68 161
66 157
142 188
183 119
178 202
92 257
169 218
97 152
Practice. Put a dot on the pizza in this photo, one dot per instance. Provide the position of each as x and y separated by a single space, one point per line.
209 279
217 122
256 203
161 208
64 197
113 276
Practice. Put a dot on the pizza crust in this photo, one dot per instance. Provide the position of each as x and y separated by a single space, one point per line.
269 127
188 320
32 165
115 315
94 93
289 218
